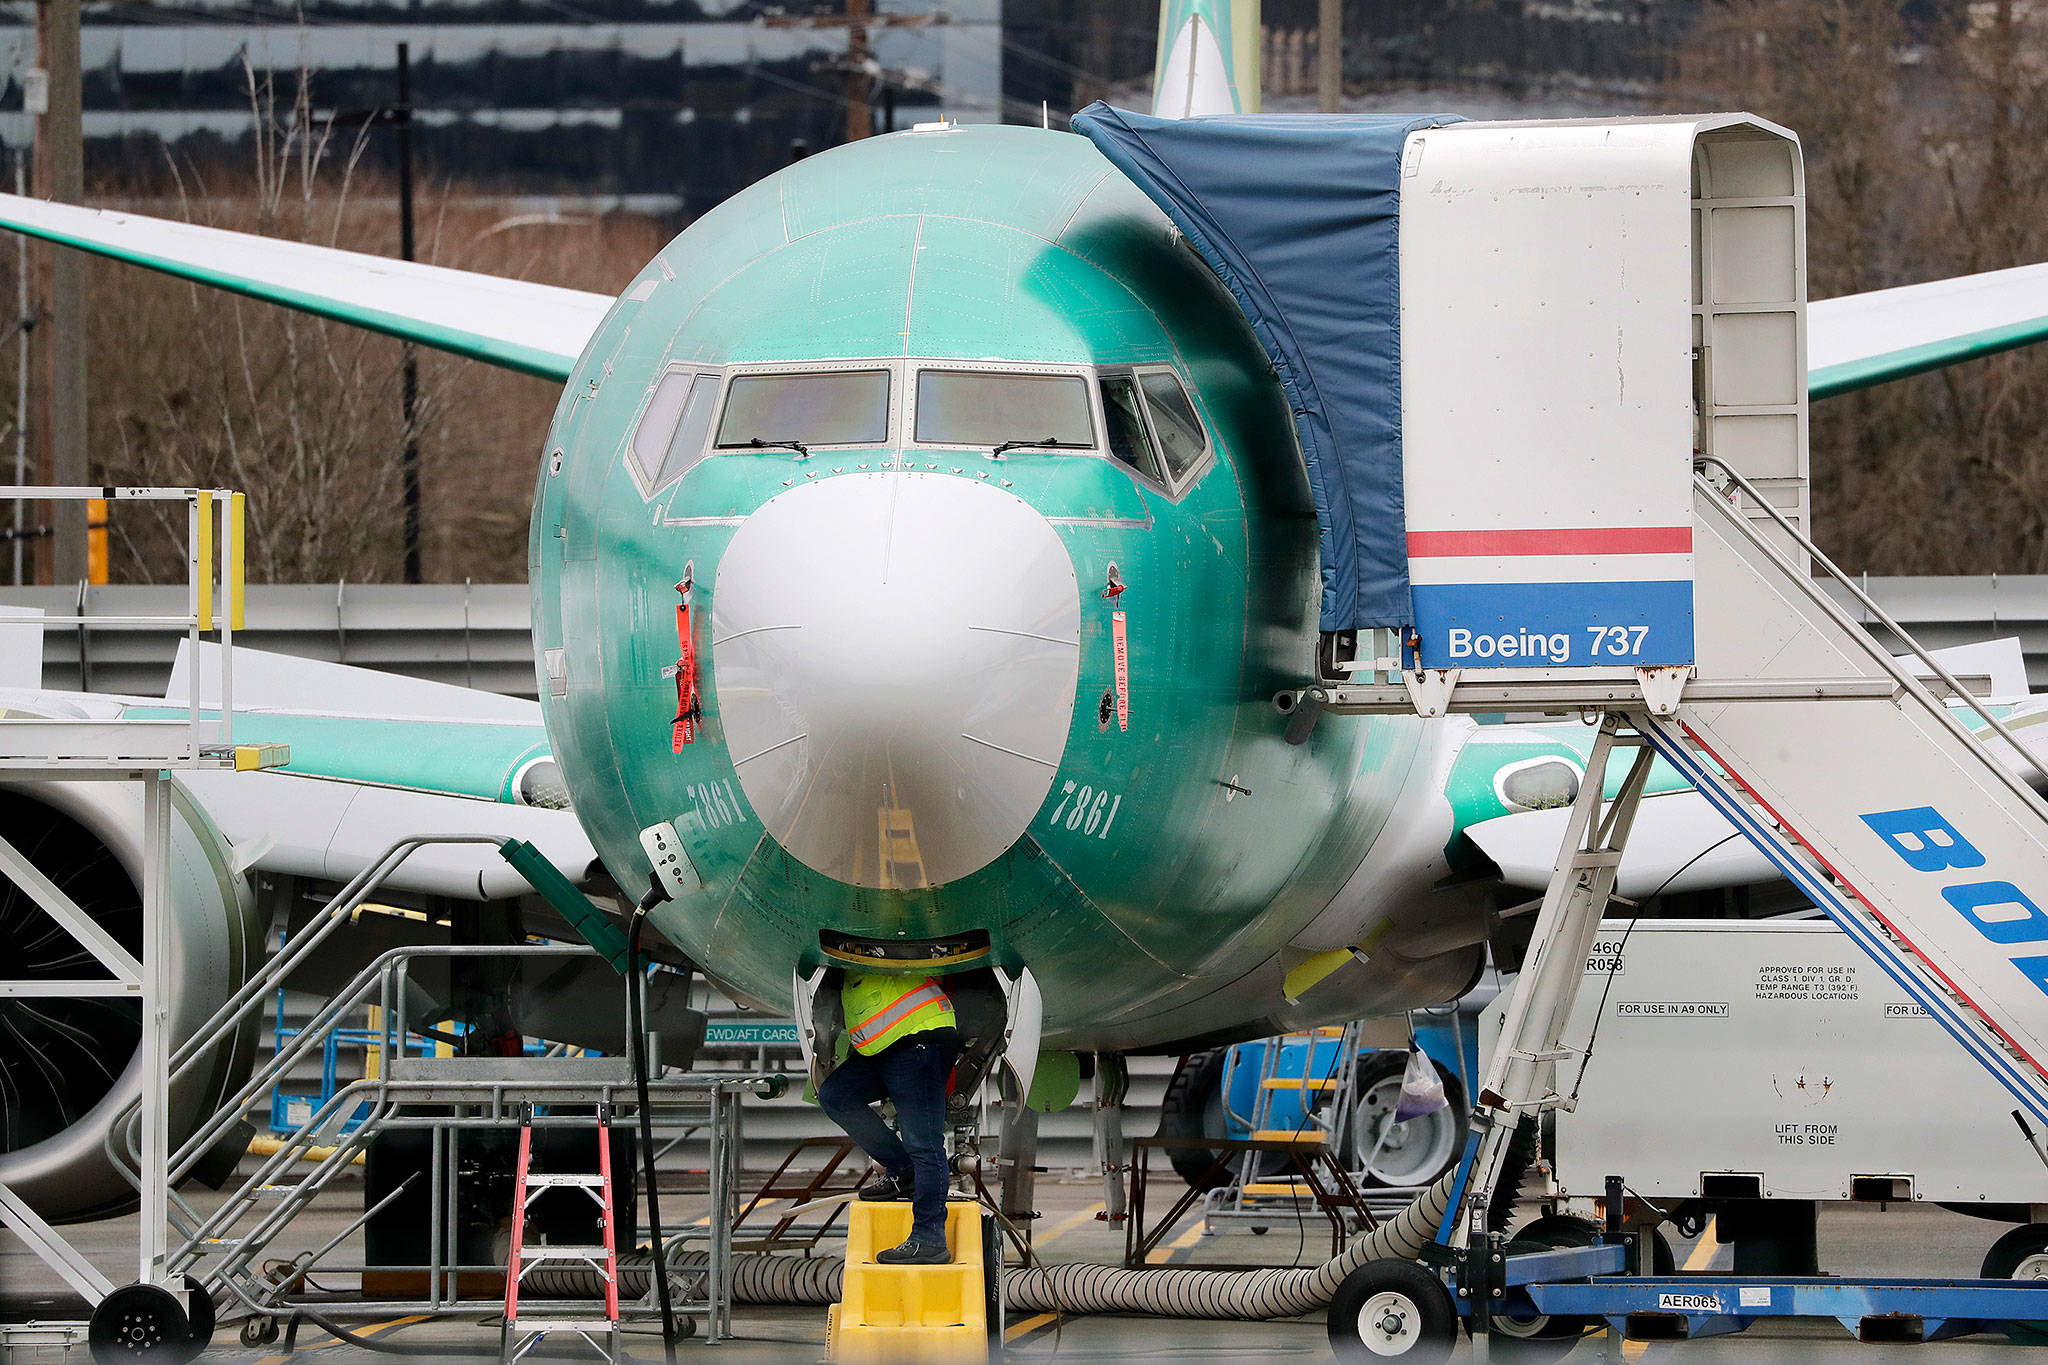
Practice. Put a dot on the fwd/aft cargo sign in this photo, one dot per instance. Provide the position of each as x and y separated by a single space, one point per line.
1999 911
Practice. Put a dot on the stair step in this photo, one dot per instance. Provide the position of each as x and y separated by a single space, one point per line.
1307 1137
1297 1083
531 1325
563 1253
537 1181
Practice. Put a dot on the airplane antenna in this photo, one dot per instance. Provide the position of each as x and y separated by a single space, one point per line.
1045 114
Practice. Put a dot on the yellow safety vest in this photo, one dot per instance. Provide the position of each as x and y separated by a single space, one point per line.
881 1009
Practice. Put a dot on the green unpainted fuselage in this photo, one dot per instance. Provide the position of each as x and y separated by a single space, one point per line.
1180 859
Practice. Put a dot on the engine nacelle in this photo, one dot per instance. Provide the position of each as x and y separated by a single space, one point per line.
68 1066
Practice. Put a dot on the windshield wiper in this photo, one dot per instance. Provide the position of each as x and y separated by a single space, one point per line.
803 452
1047 444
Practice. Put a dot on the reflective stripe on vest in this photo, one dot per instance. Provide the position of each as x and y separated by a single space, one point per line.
924 1006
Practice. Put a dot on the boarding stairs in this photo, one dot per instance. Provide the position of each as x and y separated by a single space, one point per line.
1898 802
1925 843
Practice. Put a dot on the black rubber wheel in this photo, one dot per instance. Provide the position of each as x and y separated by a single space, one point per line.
1538 1336
199 1321
1193 1107
2021 1254
141 1324
1392 1308
1541 1337
259 1331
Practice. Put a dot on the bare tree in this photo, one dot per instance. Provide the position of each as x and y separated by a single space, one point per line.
192 385
1919 141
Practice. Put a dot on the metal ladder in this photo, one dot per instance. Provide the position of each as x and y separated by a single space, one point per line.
1251 1195
522 1334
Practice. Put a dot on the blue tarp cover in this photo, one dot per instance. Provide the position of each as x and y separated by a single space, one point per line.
1299 215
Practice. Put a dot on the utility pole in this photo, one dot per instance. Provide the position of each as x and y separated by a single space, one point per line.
860 121
858 67
56 399
1330 56
409 395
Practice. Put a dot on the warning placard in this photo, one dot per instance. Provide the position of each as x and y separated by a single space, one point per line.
1657 1009
1808 981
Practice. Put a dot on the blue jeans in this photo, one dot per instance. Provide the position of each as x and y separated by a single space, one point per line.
913 1072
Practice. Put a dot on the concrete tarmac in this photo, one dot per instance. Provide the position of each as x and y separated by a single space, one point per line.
1902 1240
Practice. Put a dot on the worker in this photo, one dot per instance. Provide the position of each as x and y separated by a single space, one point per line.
905 1041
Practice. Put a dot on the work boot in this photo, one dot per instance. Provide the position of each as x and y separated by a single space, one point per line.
887 1188
916 1251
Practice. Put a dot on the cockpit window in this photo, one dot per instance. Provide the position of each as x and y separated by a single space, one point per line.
980 408
670 437
837 407
1181 438
1129 439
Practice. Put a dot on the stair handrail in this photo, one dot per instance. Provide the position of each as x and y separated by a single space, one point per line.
1864 600
336 912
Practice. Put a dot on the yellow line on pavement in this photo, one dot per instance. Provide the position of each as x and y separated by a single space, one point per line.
1068 1224
336 1341
1700 1258
1704 1249
1158 1255
1030 1324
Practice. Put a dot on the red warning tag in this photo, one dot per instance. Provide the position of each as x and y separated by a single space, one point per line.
688 712
1122 646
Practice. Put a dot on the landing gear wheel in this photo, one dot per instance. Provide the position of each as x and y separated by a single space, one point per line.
1392 1308
1193 1107
2021 1254
1412 1153
141 1324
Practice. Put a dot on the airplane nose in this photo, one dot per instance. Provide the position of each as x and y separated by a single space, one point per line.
895 656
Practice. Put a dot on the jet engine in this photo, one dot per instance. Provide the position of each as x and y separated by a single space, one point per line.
70 1065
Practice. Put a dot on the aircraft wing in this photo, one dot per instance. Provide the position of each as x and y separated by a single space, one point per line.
1853 343
536 329
375 758
1863 340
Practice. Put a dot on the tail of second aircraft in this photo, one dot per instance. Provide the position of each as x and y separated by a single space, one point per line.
1208 58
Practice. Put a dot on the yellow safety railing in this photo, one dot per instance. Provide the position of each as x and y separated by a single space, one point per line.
215 562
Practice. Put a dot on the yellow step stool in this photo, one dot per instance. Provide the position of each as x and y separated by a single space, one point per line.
909 1314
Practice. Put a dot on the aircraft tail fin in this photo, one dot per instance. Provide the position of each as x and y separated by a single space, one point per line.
1208 59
